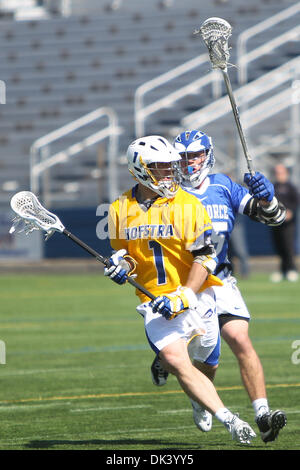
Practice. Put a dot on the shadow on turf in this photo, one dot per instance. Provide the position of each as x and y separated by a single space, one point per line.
157 444
39 444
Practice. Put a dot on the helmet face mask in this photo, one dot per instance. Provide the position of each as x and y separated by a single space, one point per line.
153 162
196 151
192 162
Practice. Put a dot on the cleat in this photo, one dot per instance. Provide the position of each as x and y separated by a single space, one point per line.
202 417
158 374
292 276
240 430
276 277
270 424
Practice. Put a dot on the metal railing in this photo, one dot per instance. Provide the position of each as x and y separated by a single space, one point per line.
244 95
142 112
41 159
243 58
244 61
283 76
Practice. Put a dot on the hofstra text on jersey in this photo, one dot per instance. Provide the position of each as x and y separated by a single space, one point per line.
149 231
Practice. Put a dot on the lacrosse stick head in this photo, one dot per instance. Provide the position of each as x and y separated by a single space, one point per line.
34 216
215 32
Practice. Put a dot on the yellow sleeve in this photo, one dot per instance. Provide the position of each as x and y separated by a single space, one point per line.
210 282
199 226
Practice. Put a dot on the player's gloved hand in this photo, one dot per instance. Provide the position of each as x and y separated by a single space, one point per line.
122 265
259 186
171 305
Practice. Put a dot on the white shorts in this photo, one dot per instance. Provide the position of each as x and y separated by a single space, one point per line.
198 327
229 298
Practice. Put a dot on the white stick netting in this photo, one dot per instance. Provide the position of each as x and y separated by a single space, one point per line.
33 215
215 33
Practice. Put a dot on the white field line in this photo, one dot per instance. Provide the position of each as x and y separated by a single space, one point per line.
29 406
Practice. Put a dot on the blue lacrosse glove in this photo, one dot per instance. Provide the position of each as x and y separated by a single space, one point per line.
121 267
173 304
259 186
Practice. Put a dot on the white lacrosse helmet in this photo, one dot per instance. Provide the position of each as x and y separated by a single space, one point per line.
144 156
191 145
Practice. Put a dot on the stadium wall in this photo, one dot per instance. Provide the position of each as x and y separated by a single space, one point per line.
82 223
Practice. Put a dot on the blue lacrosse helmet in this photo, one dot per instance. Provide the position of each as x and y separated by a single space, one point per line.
194 146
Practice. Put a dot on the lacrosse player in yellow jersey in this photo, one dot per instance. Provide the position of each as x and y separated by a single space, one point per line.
162 234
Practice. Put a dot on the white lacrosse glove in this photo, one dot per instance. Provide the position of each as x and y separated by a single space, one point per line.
121 267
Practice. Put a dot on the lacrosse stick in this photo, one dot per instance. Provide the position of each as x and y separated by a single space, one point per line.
215 33
34 216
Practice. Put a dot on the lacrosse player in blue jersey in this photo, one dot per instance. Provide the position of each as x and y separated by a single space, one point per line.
224 200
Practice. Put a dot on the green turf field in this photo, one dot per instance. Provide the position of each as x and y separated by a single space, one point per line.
77 369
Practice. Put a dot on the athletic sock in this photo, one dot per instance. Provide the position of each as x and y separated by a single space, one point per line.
260 406
224 415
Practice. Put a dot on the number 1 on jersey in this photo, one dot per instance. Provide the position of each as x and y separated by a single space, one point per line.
159 262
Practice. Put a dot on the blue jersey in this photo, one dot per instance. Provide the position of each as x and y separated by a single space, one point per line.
223 200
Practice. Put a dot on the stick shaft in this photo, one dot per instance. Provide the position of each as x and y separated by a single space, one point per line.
105 261
237 121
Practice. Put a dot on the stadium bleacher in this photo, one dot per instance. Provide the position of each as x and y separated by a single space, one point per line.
65 64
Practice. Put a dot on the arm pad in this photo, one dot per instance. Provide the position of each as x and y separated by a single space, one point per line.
273 215
206 257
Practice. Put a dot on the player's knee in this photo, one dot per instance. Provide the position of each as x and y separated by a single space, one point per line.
239 341
213 367
207 369
173 362
235 333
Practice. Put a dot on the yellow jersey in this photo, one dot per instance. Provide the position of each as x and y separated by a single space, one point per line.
161 238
